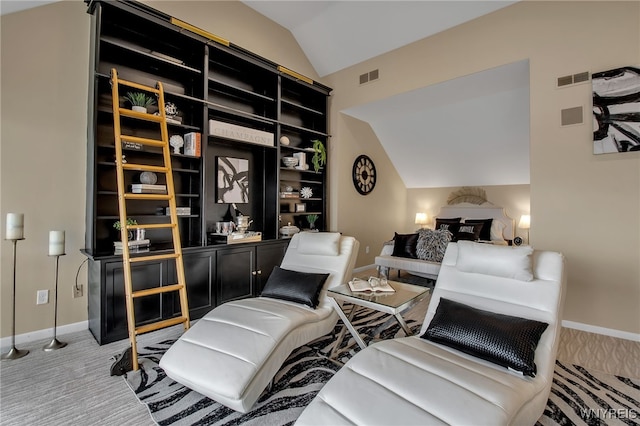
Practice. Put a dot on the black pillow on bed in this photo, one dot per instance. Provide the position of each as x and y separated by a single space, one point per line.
501 339
404 245
467 231
485 233
294 286
444 223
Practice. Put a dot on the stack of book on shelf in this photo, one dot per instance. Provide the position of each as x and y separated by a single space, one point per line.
289 194
135 246
145 188
192 144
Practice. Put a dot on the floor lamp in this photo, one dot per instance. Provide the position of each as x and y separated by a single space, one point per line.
56 248
15 233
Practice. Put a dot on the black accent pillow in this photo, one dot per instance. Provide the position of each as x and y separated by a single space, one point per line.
485 233
404 245
501 339
468 231
443 223
294 286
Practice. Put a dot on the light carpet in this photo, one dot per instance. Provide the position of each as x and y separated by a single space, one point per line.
578 396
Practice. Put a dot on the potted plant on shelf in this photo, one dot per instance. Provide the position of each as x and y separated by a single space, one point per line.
140 101
319 155
311 218
118 226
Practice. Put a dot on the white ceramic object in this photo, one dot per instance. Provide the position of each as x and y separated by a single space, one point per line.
290 162
306 192
148 178
176 142
289 230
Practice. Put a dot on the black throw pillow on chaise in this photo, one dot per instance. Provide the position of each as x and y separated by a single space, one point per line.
294 286
501 339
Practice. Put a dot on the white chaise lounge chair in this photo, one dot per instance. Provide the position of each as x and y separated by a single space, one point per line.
233 352
415 381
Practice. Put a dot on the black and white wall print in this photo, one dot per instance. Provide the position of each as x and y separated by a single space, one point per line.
233 180
616 110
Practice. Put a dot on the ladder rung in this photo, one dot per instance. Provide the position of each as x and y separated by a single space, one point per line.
161 324
156 290
152 226
141 115
138 86
154 257
143 141
145 167
156 197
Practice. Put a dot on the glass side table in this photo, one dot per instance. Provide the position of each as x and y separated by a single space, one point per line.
404 297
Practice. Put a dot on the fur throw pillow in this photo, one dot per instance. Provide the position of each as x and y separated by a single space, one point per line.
432 244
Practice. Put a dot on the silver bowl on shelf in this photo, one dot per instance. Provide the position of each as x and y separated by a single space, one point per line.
290 162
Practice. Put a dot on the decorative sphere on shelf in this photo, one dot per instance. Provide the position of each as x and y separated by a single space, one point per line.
148 178
284 140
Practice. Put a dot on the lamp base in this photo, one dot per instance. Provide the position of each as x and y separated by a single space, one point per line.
53 345
15 353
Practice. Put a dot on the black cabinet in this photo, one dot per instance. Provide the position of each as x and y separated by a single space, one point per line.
107 305
235 268
200 272
214 275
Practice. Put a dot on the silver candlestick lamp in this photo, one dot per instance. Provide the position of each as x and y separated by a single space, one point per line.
15 233
56 248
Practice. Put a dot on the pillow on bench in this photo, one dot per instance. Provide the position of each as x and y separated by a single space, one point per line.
432 244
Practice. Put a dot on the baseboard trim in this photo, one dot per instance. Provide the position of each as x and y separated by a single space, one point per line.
33 336
602 330
364 268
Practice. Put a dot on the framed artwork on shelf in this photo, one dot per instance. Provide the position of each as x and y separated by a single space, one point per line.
232 180
301 207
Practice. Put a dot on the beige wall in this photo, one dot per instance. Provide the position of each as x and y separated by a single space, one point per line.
583 205
45 71
45 63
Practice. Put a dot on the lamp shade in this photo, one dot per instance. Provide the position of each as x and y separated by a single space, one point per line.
525 222
421 219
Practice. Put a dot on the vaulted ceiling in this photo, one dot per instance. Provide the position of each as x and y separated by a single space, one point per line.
473 130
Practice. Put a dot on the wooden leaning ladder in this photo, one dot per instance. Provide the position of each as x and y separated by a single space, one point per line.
169 197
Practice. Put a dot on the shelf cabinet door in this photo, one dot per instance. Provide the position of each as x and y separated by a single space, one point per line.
267 257
199 271
147 309
234 273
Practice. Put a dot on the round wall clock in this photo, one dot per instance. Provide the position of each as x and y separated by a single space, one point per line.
364 174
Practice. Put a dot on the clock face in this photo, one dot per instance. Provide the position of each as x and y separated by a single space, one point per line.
364 174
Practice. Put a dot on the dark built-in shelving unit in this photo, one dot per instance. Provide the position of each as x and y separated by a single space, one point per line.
207 78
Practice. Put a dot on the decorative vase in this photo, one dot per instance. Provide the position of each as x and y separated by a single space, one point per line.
139 109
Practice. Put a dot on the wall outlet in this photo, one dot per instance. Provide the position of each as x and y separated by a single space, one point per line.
77 291
43 297
366 249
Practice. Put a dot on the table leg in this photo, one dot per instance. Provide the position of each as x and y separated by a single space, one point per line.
403 325
347 322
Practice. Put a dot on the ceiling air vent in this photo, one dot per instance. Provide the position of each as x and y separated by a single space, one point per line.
568 80
369 76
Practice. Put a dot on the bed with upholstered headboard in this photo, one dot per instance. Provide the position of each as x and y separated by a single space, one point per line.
502 229
420 253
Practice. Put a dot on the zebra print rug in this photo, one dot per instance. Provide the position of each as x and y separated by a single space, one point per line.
578 397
